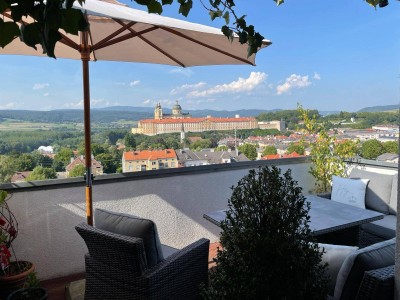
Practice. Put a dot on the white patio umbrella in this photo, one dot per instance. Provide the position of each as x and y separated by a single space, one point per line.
120 33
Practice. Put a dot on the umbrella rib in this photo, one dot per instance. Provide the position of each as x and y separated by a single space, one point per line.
205 45
153 45
68 42
114 34
121 39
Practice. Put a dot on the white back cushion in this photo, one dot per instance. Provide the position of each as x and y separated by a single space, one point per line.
349 191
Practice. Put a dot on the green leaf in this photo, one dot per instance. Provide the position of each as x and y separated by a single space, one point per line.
31 35
72 20
154 7
241 22
226 17
373 3
227 32
4 5
69 3
9 31
50 39
166 2
142 2
3 196
185 7
22 9
215 14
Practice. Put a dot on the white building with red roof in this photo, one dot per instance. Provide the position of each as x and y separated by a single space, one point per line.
160 125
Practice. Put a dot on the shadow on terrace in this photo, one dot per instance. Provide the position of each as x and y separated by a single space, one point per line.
175 200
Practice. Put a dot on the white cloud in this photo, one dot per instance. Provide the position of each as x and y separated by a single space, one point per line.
293 81
240 85
148 101
182 71
186 87
93 103
11 105
317 76
135 82
46 94
40 86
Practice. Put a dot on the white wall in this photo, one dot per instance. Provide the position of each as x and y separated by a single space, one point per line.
47 216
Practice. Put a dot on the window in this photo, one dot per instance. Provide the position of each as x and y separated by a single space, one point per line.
172 164
130 168
153 163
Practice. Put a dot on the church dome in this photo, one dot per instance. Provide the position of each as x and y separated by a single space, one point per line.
176 109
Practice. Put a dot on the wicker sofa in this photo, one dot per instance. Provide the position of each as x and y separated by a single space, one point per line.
121 265
381 196
361 274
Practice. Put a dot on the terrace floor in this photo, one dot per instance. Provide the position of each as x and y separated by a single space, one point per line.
56 288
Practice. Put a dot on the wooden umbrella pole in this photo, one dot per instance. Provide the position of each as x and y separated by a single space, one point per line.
85 57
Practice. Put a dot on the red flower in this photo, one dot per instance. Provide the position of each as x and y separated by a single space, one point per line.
2 222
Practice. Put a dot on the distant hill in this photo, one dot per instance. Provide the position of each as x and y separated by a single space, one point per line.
112 114
380 108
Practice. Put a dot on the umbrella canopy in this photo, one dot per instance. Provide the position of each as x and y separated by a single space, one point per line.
120 33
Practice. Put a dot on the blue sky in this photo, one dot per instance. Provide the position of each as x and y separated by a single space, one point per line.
324 55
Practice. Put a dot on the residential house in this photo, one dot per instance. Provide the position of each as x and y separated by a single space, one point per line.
188 158
97 168
135 161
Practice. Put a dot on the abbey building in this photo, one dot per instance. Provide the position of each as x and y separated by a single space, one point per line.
183 122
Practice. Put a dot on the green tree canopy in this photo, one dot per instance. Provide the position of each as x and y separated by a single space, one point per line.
109 163
78 170
41 173
200 144
249 150
391 147
270 149
130 141
295 147
62 159
371 149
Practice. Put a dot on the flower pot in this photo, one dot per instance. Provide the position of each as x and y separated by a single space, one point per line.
36 293
17 277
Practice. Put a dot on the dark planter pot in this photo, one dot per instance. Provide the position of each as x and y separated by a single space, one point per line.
14 282
36 293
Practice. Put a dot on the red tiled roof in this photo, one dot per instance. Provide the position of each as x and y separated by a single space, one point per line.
150 154
198 120
293 154
271 156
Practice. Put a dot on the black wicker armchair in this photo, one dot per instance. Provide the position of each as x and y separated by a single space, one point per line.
116 268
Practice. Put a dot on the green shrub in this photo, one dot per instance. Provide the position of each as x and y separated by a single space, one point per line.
268 251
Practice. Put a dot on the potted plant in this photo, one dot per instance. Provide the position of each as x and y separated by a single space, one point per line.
268 250
13 272
30 291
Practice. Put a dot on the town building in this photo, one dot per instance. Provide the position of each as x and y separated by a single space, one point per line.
136 161
280 125
180 122
188 158
97 168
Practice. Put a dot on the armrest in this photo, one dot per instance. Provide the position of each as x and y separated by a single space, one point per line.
180 275
326 195
377 284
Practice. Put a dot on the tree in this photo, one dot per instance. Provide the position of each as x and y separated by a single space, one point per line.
200 144
371 149
41 173
268 250
78 170
391 147
7 168
327 155
130 141
221 148
295 147
62 159
108 162
249 150
269 149
25 162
